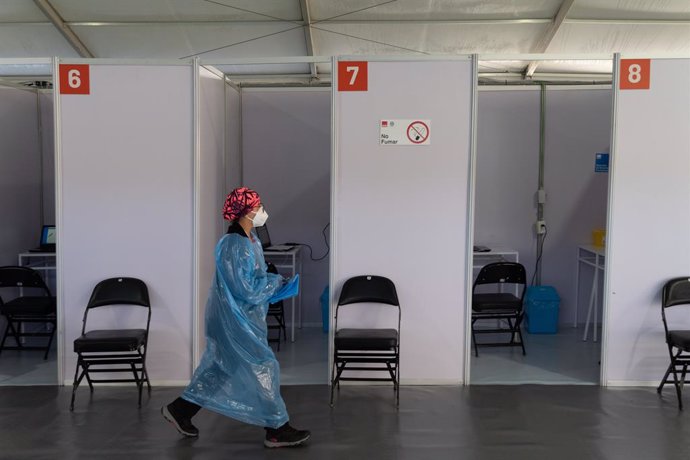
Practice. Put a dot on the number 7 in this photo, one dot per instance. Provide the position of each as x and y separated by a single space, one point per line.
355 70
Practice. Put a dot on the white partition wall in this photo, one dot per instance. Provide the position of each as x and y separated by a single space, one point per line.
47 140
578 126
649 227
402 211
286 135
507 170
210 184
20 173
125 184
233 138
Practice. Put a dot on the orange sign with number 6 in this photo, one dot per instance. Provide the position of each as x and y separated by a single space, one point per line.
74 79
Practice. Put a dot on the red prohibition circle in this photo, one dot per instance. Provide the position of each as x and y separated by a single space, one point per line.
420 138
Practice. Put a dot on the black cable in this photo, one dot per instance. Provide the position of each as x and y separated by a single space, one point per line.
541 253
311 251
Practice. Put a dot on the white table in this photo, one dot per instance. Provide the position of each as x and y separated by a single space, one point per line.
290 262
43 262
591 256
495 255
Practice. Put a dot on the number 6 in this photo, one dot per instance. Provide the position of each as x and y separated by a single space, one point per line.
73 78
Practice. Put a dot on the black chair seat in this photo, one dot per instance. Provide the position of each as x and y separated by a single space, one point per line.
500 301
110 340
366 339
679 339
30 306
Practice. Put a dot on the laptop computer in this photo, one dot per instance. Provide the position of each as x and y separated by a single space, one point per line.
265 238
47 241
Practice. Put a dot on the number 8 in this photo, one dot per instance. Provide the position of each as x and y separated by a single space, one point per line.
634 73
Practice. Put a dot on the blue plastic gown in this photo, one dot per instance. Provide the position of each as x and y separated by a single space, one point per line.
239 375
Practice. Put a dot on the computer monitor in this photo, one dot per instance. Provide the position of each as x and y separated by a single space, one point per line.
48 235
264 237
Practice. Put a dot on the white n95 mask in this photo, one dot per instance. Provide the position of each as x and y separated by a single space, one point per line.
260 218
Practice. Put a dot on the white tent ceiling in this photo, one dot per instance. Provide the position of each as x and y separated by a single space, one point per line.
220 30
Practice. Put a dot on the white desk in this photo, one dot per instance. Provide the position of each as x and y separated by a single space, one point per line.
495 255
479 259
43 262
290 262
592 256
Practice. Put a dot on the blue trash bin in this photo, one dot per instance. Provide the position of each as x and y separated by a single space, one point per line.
324 308
541 309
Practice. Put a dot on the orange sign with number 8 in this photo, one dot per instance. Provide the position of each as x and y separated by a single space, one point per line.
634 73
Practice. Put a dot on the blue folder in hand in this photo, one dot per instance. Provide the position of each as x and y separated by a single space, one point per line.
289 289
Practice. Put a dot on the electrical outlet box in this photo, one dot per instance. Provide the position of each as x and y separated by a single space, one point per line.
540 227
541 196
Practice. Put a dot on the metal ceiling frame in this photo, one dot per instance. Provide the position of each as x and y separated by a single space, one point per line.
545 40
164 22
308 37
56 19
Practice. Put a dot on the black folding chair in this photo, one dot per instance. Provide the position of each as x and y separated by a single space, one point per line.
363 347
26 309
676 292
499 306
114 350
276 311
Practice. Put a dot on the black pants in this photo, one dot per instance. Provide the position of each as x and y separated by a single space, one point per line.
184 408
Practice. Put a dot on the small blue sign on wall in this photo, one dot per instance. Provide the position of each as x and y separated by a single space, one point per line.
601 162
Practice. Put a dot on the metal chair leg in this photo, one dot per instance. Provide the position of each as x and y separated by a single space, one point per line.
676 383
522 342
50 342
75 384
474 341
397 381
333 380
664 380
4 336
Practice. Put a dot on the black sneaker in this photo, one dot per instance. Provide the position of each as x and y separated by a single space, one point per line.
285 436
184 426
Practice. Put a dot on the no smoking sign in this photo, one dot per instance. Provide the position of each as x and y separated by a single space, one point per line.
404 132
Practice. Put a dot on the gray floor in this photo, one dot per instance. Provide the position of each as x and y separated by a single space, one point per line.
480 422
561 358
304 362
27 367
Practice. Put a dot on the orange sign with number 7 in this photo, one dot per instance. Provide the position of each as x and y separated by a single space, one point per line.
353 76
634 73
